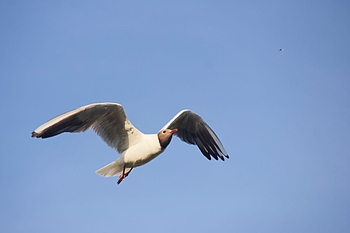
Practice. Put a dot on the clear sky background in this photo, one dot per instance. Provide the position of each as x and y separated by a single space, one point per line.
283 117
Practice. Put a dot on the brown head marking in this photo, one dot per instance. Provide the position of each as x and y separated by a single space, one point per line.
164 137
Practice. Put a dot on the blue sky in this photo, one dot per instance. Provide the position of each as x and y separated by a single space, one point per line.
283 117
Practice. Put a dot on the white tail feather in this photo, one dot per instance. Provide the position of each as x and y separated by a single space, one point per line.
112 169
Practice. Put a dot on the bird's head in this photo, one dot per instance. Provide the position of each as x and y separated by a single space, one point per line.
164 136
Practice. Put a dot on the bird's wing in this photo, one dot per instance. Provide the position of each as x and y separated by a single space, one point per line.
108 120
193 130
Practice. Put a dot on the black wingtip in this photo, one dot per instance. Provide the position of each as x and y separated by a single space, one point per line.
37 135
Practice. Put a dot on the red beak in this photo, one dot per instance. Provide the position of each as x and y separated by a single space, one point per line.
173 131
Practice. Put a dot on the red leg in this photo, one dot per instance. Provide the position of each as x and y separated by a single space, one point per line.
128 172
123 175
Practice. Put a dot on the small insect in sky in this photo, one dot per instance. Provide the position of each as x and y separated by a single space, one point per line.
281 50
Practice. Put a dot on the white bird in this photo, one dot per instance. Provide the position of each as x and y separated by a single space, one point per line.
109 121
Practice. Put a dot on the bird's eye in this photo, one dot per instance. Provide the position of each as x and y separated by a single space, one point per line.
164 131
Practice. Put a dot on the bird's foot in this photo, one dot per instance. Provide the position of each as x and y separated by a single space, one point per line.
123 175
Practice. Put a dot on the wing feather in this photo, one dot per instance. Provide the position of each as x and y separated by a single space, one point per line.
194 130
108 120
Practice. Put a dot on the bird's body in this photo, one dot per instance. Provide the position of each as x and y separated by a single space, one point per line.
109 121
143 152
147 149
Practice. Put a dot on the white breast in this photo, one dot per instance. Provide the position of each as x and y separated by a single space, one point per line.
143 152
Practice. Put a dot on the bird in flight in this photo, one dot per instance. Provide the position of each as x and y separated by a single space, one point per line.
110 122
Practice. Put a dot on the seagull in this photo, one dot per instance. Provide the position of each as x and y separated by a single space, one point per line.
110 122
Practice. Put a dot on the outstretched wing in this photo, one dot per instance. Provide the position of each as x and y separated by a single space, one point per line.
108 120
193 130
